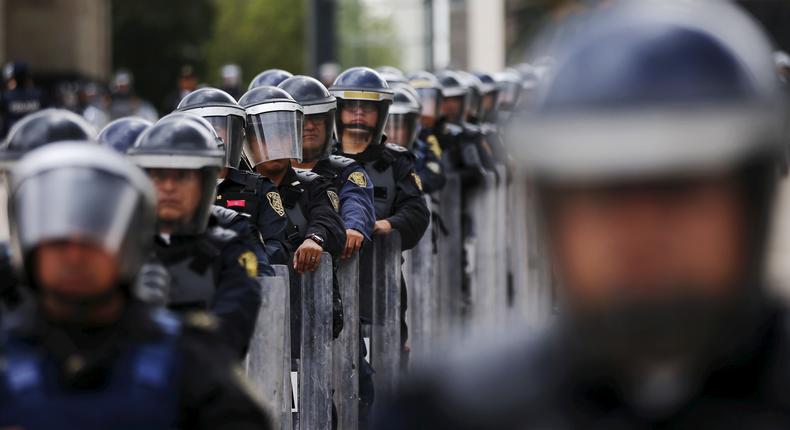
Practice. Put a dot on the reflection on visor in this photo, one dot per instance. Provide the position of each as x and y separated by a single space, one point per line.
274 136
101 216
402 129
230 130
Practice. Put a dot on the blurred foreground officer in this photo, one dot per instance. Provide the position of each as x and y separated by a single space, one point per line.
656 173
211 267
91 356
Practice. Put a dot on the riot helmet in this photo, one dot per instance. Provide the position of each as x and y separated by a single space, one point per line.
274 125
120 135
474 94
269 78
42 128
97 196
392 75
509 83
180 146
489 97
363 101
455 102
319 107
224 114
430 90
403 120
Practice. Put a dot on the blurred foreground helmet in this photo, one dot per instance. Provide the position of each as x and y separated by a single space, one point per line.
182 143
361 88
42 128
274 125
97 196
225 116
655 89
320 107
430 90
403 119
121 134
269 78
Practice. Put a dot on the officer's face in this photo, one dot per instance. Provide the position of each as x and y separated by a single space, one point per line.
75 269
452 108
178 194
359 119
648 243
314 133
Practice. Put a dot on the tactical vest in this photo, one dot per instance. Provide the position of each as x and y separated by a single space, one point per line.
382 173
142 392
239 191
194 269
292 200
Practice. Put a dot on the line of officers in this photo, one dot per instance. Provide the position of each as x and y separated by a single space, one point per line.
224 189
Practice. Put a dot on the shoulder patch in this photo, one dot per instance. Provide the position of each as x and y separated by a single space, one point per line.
358 178
433 144
276 202
417 180
201 320
333 197
249 262
396 148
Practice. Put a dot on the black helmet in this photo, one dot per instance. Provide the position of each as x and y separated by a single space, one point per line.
361 87
42 128
403 119
178 142
274 125
224 114
97 196
269 78
430 90
392 75
510 85
121 134
17 71
686 95
318 105
454 89
489 97
474 95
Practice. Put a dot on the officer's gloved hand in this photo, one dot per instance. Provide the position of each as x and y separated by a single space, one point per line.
153 284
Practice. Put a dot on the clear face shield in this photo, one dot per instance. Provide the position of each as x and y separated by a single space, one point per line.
453 108
103 216
508 95
472 103
274 132
230 130
361 121
488 105
317 135
431 100
402 128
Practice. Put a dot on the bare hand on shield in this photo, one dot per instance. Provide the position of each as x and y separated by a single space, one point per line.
382 227
307 257
354 240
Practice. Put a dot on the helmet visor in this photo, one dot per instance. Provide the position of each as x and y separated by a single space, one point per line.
274 135
317 135
101 216
230 129
508 95
361 120
431 100
402 129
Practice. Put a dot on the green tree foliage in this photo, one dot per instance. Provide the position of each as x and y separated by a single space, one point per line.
155 38
257 35
365 39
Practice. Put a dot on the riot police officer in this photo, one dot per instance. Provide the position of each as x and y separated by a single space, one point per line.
403 128
210 267
269 78
19 96
245 192
657 185
274 138
510 85
121 134
355 189
90 355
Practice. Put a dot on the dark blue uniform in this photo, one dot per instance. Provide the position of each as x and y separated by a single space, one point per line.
17 103
239 223
355 190
215 272
147 371
428 161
